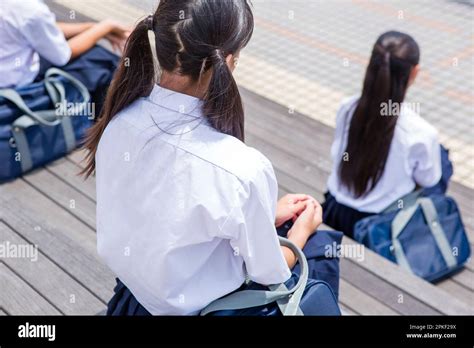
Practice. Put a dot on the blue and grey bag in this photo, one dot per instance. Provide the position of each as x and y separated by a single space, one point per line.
41 122
426 237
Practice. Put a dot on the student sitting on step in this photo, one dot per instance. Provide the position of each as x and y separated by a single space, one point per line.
33 41
185 209
383 149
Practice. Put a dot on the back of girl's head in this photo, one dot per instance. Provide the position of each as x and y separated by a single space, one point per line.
370 134
192 37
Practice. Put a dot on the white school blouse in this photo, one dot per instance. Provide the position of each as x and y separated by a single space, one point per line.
183 211
27 30
414 158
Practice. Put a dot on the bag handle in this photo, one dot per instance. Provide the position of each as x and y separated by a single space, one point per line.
14 97
408 200
56 89
288 300
431 216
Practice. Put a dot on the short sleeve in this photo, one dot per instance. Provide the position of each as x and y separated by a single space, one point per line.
342 127
251 227
425 159
45 37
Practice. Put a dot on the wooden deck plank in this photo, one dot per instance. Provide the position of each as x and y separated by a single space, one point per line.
70 198
385 292
69 173
460 291
18 298
66 240
427 293
346 310
465 278
361 302
58 287
78 157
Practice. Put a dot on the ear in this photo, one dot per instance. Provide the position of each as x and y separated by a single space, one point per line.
232 61
413 74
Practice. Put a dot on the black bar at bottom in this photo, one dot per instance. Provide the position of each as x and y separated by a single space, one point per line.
136 331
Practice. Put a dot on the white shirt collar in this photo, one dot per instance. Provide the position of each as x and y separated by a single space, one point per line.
175 101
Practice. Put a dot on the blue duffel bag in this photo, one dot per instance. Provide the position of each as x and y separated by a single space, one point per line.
298 296
426 237
42 122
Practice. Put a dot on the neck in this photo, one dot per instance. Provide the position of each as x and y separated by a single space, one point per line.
184 84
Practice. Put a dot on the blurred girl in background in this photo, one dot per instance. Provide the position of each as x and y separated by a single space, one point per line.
382 148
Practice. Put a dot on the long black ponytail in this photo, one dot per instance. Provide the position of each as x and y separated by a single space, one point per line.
191 38
371 133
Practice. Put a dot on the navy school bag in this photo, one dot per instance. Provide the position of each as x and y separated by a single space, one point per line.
297 296
426 237
42 122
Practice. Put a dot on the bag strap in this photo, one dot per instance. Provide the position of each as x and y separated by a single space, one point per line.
408 200
431 216
51 83
287 300
57 94
14 97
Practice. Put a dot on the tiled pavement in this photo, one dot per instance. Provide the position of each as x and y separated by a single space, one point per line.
309 54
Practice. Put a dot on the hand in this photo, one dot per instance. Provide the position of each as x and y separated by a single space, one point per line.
308 221
289 207
117 34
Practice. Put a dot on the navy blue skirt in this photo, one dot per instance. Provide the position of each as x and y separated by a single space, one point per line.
344 218
321 267
340 216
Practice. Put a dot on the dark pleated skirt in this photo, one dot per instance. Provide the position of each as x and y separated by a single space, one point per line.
123 303
340 216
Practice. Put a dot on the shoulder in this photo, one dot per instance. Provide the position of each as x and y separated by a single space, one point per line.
246 163
26 12
347 102
414 128
345 106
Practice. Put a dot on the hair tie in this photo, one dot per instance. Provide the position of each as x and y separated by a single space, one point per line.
149 22
217 54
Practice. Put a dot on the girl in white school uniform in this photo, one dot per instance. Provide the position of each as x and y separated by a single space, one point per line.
382 148
29 31
32 41
184 208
